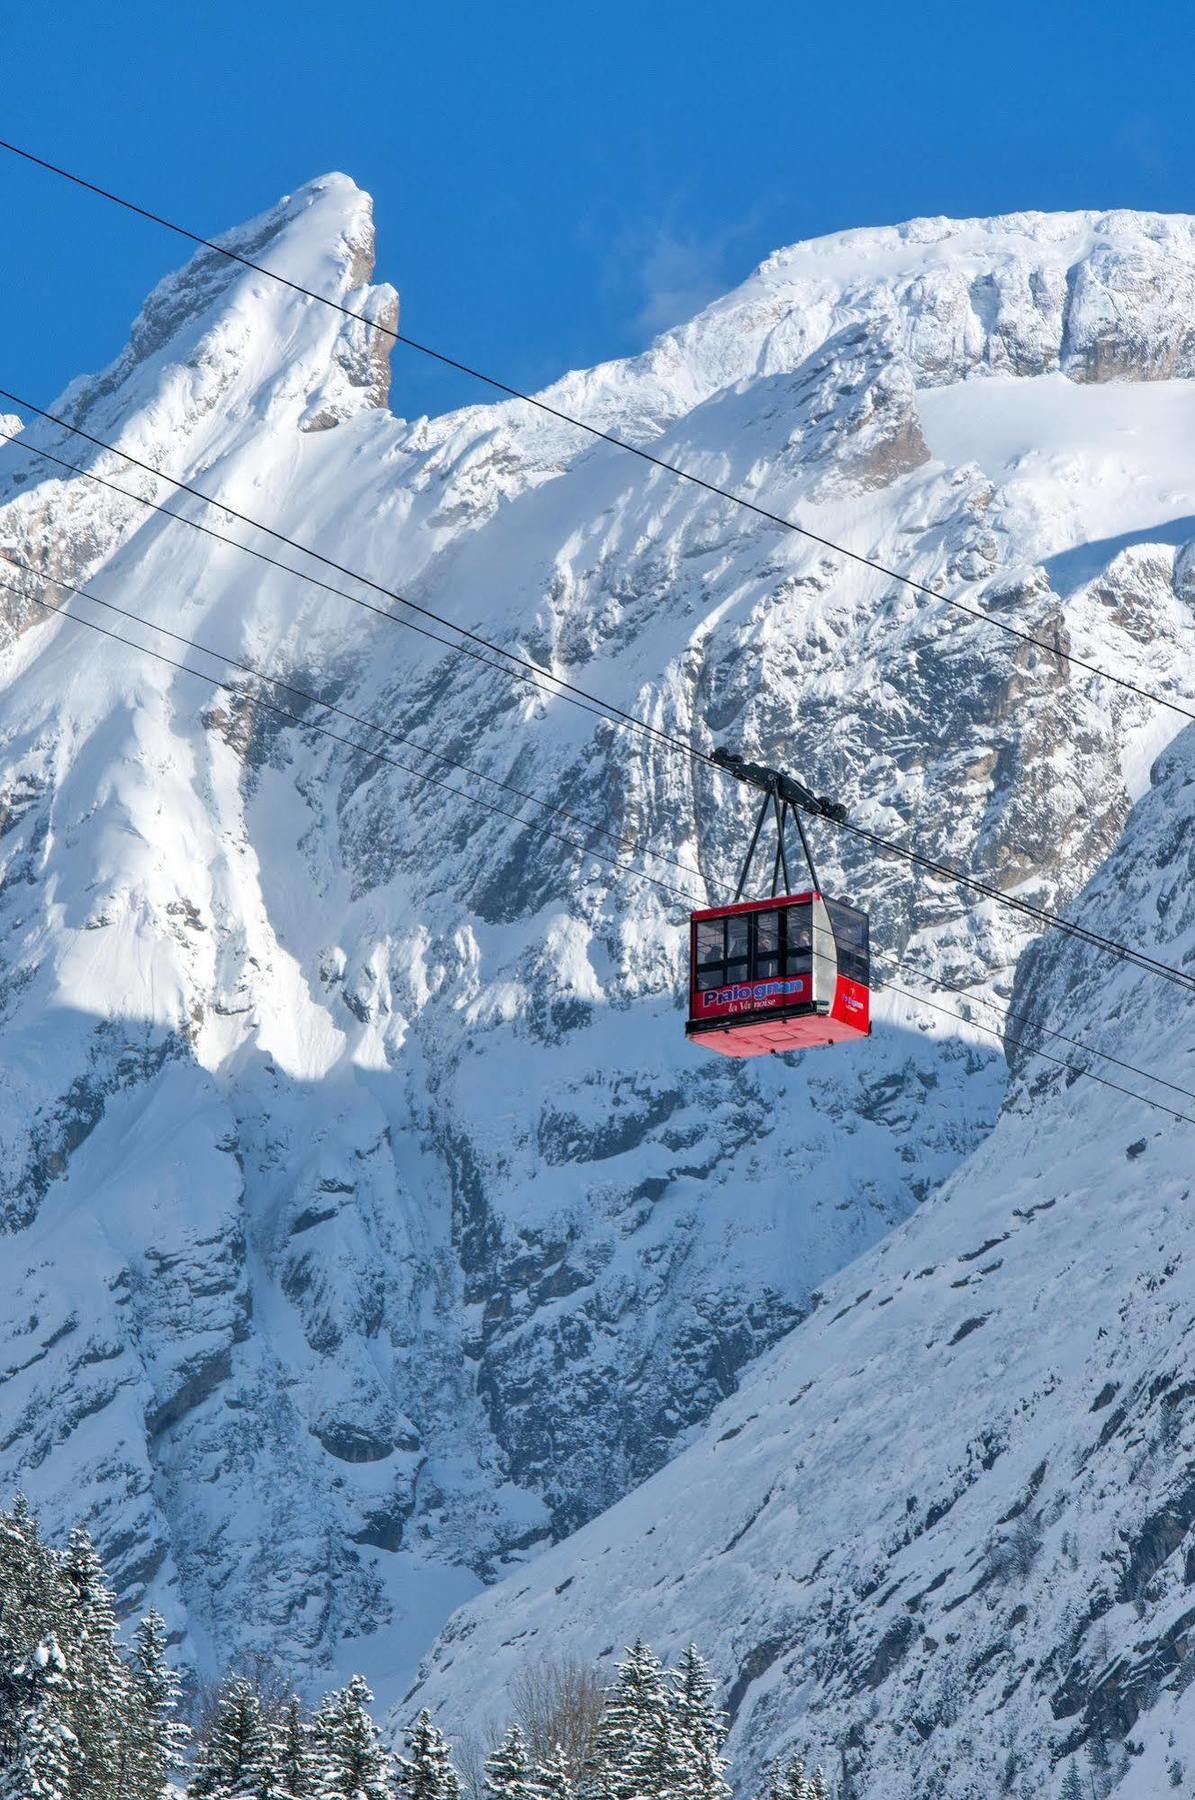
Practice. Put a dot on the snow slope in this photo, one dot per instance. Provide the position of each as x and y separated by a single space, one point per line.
369 1224
941 1538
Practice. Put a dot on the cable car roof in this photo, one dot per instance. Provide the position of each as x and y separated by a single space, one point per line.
803 897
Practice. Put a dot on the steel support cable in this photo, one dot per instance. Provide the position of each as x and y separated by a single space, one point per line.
586 824
541 675
1096 940
221 537
1034 1050
594 431
1008 1012
386 731
944 871
289 687
241 694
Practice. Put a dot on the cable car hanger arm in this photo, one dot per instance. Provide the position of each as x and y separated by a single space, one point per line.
775 781
783 794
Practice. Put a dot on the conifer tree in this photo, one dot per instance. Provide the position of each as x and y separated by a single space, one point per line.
160 1735
233 1754
33 1667
352 1764
31 1609
133 1778
292 1772
1072 1785
29 1576
80 1722
426 1772
42 1752
700 1730
508 1771
553 1779
662 1770
100 1713
788 1781
633 1746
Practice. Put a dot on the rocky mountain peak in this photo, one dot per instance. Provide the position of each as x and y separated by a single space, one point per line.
369 1224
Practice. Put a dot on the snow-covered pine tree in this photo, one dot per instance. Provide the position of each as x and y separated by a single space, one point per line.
553 1778
351 1763
40 1755
795 1783
508 1770
426 1772
699 1727
291 1762
1072 1784
817 1787
100 1713
233 1751
160 1737
29 1578
786 1780
664 1771
133 1777
634 1752
31 1609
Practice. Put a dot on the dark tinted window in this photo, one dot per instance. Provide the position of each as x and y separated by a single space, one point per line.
757 946
711 942
851 939
798 939
767 934
738 938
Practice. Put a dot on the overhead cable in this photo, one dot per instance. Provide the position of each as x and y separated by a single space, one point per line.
305 724
596 431
308 725
332 706
943 871
540 674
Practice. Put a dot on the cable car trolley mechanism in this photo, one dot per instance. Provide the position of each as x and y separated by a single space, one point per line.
786 973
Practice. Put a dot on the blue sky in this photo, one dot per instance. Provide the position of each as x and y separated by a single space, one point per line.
556 182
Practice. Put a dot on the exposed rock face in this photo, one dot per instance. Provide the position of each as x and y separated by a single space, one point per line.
943 1539
369 1223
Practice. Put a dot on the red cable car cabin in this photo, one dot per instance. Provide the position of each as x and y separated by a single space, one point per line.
787 973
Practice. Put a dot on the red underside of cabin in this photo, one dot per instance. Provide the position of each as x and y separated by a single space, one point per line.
763 1034
768 1035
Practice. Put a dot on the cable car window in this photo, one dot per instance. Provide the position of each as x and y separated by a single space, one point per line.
714 977
738 946
767 933
765 962
798 953
711 943
738 939
850 937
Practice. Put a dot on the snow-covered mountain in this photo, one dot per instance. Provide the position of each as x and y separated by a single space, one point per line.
369 1224
942 1538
